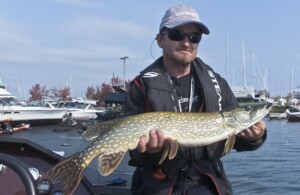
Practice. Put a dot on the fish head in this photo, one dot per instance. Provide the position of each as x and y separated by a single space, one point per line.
259 111
244 117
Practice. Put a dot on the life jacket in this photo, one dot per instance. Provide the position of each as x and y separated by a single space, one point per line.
160 96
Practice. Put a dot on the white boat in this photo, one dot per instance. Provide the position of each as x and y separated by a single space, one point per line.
278 112
79 110
11 107
296 93
246 94
293 114
243 93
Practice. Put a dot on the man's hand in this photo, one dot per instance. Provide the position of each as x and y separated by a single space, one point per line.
254 132
154 144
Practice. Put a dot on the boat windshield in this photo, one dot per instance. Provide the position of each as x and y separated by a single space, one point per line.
73 105
9 101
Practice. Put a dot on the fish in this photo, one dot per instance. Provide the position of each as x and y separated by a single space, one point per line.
110 140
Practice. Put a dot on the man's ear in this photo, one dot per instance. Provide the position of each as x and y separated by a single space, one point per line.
159 38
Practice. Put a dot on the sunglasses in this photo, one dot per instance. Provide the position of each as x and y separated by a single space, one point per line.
178 35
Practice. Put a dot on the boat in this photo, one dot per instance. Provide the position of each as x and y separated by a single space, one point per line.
243 93
293 114
278 112
29 154
80 111
245 96
11 107
296 93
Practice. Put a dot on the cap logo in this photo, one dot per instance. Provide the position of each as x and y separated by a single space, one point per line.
186 13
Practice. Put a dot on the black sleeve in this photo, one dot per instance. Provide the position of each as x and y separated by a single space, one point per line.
242 144
135 103
135 99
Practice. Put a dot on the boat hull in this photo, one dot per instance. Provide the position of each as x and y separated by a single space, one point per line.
293 114
32 115
294 117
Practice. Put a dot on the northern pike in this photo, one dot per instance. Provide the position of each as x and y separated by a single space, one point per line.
112 139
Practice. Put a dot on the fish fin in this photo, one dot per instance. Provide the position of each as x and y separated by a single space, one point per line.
164 154
98 129
107 163
69 172
173 149
229 144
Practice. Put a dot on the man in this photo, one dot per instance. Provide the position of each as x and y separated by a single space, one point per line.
180 82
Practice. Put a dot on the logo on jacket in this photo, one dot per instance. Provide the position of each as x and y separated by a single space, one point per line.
217 88
150 74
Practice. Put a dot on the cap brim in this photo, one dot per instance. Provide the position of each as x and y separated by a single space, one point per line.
204 28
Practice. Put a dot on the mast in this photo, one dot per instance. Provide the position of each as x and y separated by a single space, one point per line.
292 82
244 65
253 70
266 80
233 77
227 54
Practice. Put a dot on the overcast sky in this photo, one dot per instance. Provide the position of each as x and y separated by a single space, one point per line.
80 42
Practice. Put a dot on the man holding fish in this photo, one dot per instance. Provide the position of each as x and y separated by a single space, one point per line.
181 82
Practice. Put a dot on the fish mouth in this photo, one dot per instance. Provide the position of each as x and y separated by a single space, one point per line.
269 105
256 111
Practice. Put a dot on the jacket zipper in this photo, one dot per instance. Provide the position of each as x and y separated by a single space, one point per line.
210 176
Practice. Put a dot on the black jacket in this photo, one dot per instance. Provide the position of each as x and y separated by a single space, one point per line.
152 91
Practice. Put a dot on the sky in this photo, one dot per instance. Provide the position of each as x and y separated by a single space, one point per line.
79 43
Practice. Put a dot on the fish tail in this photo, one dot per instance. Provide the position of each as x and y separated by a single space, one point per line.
69 172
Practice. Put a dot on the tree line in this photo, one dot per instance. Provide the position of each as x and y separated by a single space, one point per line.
98 92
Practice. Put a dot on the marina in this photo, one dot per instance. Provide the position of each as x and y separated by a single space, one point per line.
12 108
258 172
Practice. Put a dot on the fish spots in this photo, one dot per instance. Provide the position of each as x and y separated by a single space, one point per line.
115 145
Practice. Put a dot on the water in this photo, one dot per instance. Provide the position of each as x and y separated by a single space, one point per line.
272 169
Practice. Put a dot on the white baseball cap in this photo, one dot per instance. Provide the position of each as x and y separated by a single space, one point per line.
179 15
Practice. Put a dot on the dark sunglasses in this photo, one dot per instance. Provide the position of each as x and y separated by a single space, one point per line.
178 35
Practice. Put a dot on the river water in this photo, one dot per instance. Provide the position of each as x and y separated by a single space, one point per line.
272 169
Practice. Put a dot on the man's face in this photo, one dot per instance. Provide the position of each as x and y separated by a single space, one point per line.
183 51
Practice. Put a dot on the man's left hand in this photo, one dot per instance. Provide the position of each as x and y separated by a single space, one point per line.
254 132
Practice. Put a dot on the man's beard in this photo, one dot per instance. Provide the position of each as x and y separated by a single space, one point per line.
184 59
